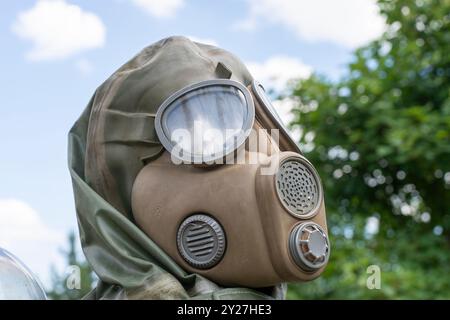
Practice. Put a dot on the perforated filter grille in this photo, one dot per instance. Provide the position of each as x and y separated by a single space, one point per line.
201 241
298 187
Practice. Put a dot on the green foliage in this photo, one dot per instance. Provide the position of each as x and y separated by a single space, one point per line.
65 286
380 138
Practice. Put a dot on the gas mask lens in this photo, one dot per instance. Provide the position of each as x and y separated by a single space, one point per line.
262 96
206 121
275 121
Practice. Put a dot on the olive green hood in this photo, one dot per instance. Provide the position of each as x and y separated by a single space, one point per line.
110 143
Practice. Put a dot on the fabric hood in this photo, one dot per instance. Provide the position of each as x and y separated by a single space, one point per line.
110 143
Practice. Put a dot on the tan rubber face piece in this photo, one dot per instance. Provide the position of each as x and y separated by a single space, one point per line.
242 200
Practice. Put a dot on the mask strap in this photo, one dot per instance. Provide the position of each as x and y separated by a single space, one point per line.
130 128
222 71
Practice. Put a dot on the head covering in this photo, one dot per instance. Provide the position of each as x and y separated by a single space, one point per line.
110 143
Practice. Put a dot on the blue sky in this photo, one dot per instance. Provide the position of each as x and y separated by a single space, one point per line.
55 53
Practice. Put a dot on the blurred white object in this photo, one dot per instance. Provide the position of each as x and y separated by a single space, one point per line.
17 282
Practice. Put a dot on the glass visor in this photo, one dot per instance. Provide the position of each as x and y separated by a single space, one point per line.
275 119
17 282
206 121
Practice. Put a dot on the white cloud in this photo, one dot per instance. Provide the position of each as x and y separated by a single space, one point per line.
23 233
350 23
284 109
248 24
160 8
58 30
275 72
209 41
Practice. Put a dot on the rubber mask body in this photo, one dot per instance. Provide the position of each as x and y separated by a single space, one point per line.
243 199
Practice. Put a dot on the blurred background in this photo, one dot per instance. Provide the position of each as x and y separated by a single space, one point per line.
363 85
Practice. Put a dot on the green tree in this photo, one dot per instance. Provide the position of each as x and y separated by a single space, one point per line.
78 278
380 138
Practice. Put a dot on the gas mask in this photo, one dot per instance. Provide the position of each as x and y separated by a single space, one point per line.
231 197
